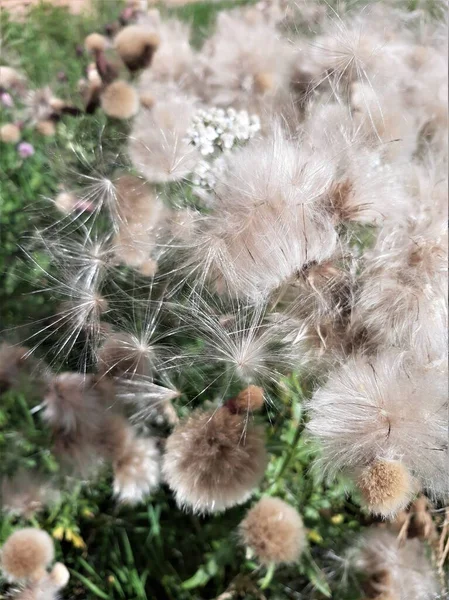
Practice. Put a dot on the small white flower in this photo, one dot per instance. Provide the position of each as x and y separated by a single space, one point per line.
216 132
228 140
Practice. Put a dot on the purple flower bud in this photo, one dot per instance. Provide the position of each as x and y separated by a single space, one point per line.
25 149
7 100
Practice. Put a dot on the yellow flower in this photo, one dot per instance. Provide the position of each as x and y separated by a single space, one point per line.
337 519
58 533
76 540
314 536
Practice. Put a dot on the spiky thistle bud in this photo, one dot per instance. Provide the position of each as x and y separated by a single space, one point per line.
214 460
26 554
274 531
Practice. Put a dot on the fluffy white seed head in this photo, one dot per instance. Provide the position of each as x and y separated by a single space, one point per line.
268 221
124 354
136 469
403 297
393 568
11 79
243 340
157 145
59 575
137 214
25 493
385 408
234 71
173 62
77 409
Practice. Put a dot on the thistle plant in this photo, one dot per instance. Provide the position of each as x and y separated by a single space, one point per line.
251 284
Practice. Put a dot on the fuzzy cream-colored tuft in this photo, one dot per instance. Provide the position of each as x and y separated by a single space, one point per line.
120 100
9 133
95 42
147 99
249 399
121 355
136 469
47 128
386 487
60 575
11 79
158 147
26 552
65 202
138 214
264 82
25 493
136 45
214 460
394 569
274 531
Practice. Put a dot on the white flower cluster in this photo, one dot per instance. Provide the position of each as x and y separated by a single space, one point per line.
207 173
215 132
218 129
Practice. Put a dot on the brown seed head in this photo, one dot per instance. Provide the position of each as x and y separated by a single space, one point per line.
386 486
26 552
274 531
120 100
249 399
136 45
9 133
214 460
95 42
